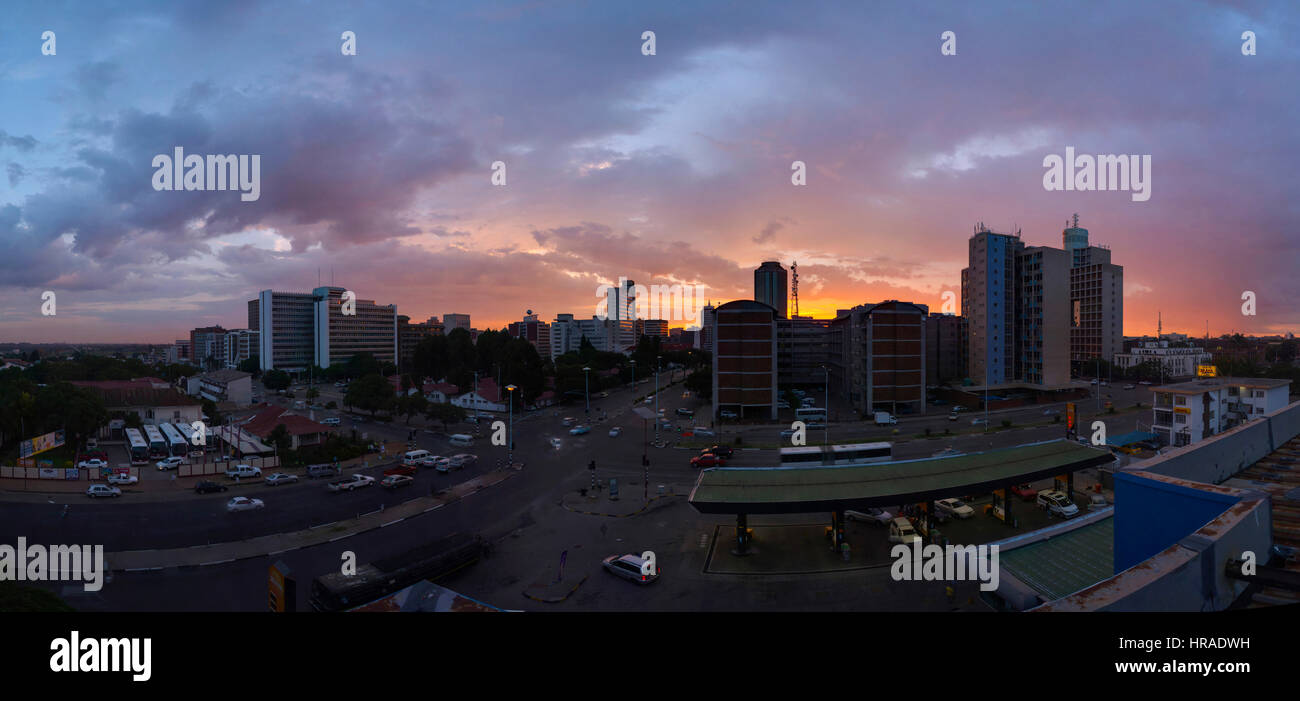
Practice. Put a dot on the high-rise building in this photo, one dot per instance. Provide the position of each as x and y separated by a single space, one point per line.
534 331
241 344
988 302
1096 301
1043 316
652 327
254 315
706 327
620 301
744 360
208 347
771 287
803 349
370 328
455 321
945 348
881 359
286 330
409 336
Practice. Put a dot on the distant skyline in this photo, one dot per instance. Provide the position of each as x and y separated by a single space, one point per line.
671 168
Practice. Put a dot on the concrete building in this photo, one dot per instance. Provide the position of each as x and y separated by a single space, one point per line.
1176 361
409 336
154 400
222 386
455 321
1096 300
771 286
286 330
881 361
371 329
945 348
651 327
241 344
745 359
1042 318
707 313
1187 412
208 347
535 331
988 302
804 348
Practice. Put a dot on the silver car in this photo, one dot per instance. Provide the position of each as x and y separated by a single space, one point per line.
630 567
281 478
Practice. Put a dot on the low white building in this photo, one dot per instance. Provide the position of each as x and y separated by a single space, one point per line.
1187 412
222 386
488 397
1178 362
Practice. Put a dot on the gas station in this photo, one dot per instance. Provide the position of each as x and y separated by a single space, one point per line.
836 489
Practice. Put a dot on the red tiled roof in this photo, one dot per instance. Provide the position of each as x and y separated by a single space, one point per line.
265 421
139 392
444 387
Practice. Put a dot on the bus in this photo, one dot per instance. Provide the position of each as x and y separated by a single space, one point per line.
340 592
810 413
157 444
139 449
175 440
848 454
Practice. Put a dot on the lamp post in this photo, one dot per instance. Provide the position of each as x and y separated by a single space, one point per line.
657 419
586 384
510 450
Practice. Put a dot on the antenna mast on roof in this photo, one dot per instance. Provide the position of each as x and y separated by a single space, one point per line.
794 285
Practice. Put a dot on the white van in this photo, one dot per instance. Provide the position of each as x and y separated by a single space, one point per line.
413 457
462 440
901 531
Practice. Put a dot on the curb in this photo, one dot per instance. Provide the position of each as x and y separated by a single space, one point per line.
634 513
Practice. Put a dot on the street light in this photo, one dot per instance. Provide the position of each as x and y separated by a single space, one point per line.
657 419
510 450
586 380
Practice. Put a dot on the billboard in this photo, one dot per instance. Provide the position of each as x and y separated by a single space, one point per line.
40 444
1207 371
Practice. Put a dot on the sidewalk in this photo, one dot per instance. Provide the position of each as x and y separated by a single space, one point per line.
221 553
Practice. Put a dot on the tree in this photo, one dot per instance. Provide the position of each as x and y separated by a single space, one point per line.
312 393
214 415
281 439
410 405
371 393
251 365
276 380
700 382
446 413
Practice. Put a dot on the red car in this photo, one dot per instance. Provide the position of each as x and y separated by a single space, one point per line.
1024 491
708 460
408 470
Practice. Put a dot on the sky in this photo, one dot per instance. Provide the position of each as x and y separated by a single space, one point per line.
376 169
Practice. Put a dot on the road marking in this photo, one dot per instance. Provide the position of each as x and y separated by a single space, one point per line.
216 562
392 522
142 569
431 508
331 523
331 540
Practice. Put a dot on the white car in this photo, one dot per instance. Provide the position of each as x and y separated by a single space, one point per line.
244 504
1130 386
92 464
871 515
978 422
122 479
1057 504
555 443
100 490
616 432
953 508
170 463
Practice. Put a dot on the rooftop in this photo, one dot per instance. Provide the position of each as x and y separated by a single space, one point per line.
1210 384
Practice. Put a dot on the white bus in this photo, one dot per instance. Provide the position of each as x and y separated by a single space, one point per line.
175 440
157 444
850 454
139 449
413 457
810 413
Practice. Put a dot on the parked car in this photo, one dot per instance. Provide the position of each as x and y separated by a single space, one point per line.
1024 491
102 490
92 464
170 463
408 470
1051 412
953 508
331 421
395 481
579 431
348 484
1145 383
1056 504
613 432
116 478
281 478
702 432
1130 386
978 422
243 471
708 460
901 531
244 504
207 487
726 414
321 470
685 412
630 567
1097 501
870 515
722 451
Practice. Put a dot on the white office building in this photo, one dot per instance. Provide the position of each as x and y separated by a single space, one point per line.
1177 362
1188 412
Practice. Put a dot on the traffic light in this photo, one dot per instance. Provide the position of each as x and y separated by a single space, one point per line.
591 465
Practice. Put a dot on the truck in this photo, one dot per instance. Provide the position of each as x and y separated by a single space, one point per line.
884 418
348 484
